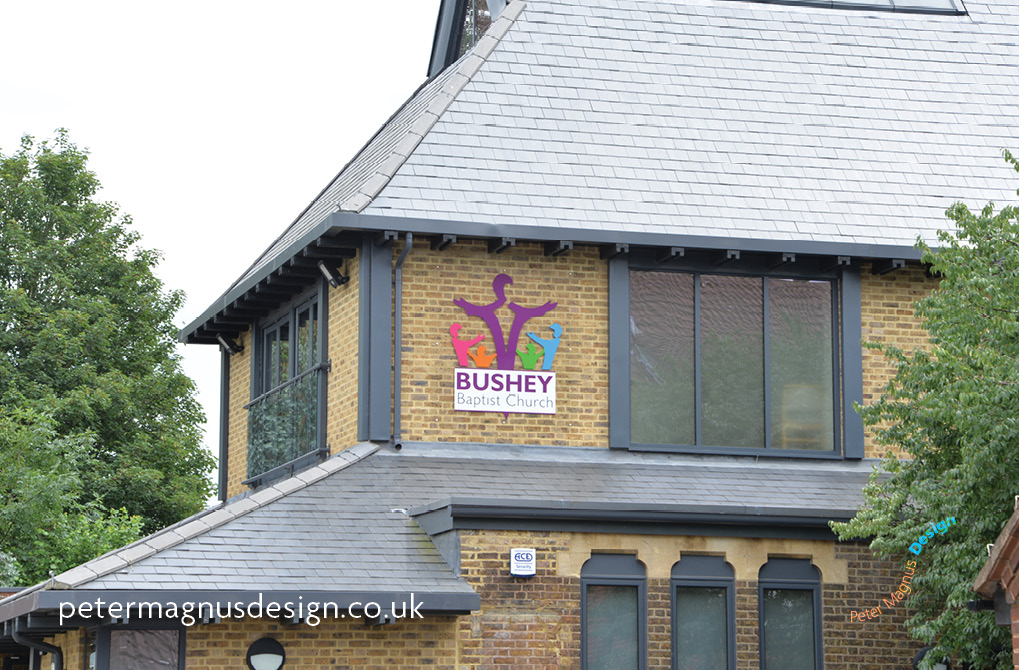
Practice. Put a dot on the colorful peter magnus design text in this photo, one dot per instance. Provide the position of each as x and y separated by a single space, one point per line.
509 390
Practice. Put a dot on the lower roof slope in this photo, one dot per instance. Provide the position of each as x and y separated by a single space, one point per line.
350 524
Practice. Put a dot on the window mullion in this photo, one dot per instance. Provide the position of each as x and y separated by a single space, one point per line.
697 357
767 364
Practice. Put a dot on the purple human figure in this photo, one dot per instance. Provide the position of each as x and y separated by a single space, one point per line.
505 349
461 347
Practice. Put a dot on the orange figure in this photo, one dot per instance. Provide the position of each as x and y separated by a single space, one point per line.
481 359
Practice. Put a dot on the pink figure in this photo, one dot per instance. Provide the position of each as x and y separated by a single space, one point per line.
461 347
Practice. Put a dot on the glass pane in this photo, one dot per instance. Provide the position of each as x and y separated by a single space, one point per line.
307 338
788 629
269 354
700 618
283 425
476 22
144 649
662 400
613 641
732 361
800 345
283 355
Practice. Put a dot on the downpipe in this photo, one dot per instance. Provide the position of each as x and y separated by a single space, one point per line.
408 244
35 645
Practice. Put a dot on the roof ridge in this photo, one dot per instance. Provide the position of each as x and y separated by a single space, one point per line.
465 69
202 522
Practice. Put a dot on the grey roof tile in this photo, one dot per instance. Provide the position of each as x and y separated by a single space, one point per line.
895 115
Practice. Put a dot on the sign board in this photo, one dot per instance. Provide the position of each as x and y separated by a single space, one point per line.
523 562
501 387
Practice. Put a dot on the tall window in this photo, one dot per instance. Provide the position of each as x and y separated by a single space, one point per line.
722 360
790 615
613 613
284 416
703 614
289 345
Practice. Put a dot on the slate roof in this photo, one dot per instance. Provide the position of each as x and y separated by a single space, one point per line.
333 528
717 118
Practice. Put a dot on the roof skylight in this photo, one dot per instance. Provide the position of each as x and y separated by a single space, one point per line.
951 7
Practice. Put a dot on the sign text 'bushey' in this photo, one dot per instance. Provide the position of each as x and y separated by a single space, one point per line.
521 391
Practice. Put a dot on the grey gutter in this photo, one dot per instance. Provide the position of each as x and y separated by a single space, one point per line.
339 222
456 513
377 222
42 647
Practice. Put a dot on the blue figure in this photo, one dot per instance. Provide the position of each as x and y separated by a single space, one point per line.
550 346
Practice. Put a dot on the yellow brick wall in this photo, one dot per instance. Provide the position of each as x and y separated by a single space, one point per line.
888 317
341 416
73 646
237 418
535 622
577 281
332 645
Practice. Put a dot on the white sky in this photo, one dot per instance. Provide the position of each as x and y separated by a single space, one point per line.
212 123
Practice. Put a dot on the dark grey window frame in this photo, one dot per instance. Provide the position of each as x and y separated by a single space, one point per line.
794 574
103 640
286 312
318 291
706 572
847 351
615 570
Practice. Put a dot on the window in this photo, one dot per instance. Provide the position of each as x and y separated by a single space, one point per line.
950 7
140 647
703 614
723 360
285 417
613 613
295 331
478 16
789 591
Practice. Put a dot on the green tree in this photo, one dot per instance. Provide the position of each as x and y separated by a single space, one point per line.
953 412
87 346
44 525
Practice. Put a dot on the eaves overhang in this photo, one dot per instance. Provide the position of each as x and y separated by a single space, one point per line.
339 235
459 513
40 613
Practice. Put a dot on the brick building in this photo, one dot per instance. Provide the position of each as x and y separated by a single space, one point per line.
671 224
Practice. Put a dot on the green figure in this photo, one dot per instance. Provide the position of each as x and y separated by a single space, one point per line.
529 359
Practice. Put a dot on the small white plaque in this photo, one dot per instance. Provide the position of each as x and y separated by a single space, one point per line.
523 562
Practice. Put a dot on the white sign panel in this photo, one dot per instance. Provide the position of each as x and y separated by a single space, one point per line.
507 391
523 562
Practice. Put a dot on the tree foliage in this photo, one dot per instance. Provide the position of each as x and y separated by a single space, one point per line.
95 412
953 412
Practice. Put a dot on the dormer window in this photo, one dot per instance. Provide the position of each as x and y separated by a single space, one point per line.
477 19
461 25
